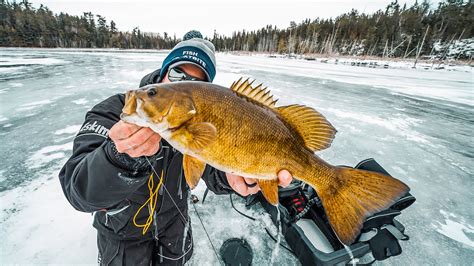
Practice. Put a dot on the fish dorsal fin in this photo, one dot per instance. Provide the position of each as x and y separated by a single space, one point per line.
312 126
258 93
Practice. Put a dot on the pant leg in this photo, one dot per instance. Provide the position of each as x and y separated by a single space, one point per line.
172 247
124 252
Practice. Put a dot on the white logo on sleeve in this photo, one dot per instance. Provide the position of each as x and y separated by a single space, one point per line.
93 129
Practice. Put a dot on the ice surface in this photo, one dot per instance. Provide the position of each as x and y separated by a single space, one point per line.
32 105
21 61
424 83
80 101
222 223
48 154
68 130
37 226
416 123
456 229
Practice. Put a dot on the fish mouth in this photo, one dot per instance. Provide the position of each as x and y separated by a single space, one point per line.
130 105
137 117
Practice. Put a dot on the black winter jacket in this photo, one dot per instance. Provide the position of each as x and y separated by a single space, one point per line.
99 179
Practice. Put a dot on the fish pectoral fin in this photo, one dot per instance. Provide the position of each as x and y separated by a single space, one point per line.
193 170
269 190
200 135
312 126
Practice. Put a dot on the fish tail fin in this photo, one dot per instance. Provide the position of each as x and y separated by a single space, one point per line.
353 195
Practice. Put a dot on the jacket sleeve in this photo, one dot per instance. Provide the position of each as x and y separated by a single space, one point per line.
97 176
216 181
153 77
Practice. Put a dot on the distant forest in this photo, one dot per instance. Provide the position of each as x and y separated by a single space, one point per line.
397 31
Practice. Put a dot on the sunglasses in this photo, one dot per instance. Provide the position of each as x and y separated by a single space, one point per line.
176 74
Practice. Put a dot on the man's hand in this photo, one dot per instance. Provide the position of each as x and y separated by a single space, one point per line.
246 186
134 140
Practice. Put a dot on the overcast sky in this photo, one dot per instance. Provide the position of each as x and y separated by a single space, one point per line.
224 16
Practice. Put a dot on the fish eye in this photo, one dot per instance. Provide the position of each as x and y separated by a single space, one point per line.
151 92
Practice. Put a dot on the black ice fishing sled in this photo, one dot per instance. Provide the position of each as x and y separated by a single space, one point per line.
311 239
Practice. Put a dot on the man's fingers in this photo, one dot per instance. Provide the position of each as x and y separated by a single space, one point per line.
253 190
284 178
252 185
122 130
154 141
149 148
137 139
250 181
237 183
240 184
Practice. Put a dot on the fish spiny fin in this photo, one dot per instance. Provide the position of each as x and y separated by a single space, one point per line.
257 93
269 190
196 136
312 126
193 170
353 195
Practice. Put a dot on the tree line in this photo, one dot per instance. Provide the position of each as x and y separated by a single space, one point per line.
21 25
396 31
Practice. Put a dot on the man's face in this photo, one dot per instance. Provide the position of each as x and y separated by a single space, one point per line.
189 69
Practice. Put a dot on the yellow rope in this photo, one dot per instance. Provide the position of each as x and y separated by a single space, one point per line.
151 203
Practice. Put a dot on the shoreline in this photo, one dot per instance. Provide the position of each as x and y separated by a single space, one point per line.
341 58
353 60
307 56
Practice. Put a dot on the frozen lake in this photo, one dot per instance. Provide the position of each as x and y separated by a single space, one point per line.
418 124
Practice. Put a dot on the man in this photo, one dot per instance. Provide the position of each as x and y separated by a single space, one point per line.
109 173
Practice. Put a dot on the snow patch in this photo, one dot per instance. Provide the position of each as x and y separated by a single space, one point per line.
453 86
459 230
401 125
8 70
40 227
48 154
68 130
14 61
33 105
222 223
2 177
15 84
132 74
42 102
81 101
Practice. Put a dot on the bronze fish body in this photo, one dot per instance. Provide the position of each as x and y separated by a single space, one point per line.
241 131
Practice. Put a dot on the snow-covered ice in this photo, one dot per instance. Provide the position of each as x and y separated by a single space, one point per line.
417 123
456 228
80 101
68 130
48 154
